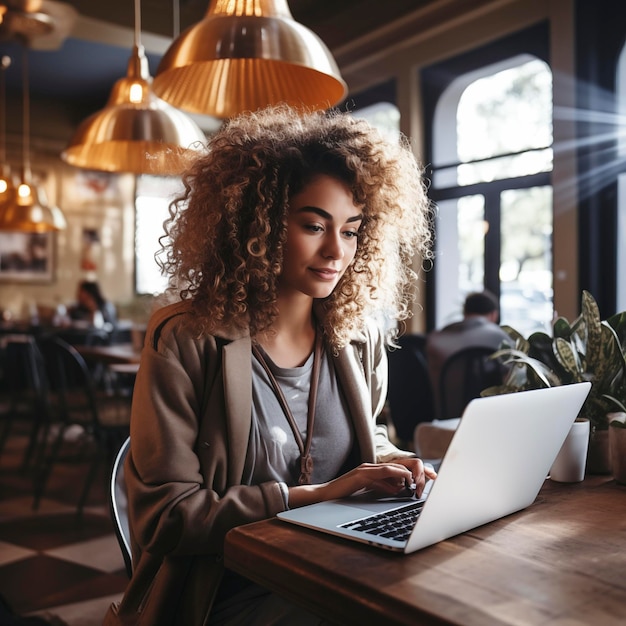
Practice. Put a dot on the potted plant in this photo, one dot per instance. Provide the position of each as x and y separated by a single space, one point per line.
587 349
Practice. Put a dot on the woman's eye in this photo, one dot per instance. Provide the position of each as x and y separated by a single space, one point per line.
315 228
350 234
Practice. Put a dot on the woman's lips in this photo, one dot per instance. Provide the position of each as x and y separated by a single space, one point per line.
325 273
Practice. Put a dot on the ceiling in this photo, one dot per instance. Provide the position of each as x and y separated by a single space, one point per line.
80 66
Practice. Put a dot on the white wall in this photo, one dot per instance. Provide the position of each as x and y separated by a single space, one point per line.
101 202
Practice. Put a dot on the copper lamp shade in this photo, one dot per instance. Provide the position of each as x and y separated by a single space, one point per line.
28 211
244 55
25 207
136 132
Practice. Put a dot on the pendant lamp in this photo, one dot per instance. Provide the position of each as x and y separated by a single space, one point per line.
244 55
27 210
7 186
136 132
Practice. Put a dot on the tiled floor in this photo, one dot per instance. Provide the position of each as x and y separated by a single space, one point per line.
53 564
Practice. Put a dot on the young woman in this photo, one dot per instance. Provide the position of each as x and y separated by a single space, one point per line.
92 307
260 388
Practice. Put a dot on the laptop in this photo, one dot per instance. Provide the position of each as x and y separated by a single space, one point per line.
495 465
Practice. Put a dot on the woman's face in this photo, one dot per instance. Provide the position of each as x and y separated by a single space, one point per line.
322 230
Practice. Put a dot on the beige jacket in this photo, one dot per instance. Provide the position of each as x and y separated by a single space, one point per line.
190 423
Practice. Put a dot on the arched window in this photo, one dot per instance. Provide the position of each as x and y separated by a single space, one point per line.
492 158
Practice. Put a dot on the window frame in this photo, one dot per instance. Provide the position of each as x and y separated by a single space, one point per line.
436 80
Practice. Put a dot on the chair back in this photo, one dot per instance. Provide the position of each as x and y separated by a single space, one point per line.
89 336
119 506
70 379
463 376
24 371
410 395
24 393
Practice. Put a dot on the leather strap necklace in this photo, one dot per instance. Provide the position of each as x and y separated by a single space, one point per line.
306 460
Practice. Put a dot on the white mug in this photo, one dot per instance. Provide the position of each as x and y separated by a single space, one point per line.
569 465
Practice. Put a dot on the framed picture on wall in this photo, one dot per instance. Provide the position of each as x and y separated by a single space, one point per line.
26 257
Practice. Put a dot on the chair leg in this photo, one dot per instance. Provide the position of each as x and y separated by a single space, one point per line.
91 475
6 429
36 445
44 465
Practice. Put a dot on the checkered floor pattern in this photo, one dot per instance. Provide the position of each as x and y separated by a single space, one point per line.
52 563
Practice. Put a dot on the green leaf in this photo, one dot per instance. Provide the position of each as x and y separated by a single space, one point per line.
518 340
591 315
539 369
609 368
568 359
562 328
618 323
541 349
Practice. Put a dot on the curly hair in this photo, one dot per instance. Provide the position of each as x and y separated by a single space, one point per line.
226 231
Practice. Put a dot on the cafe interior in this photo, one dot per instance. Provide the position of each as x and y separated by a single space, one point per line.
514 108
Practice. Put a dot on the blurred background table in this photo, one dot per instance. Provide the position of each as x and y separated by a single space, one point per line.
115 354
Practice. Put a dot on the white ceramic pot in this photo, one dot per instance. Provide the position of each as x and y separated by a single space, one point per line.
569 465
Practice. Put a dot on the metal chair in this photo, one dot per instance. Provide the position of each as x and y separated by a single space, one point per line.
102 418
463 376
24 393
119 506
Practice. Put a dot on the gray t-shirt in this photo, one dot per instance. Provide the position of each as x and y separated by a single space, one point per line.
273 453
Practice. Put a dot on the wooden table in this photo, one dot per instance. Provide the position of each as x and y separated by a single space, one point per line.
115 354
562 561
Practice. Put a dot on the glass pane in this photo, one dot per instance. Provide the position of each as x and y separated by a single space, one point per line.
526 259
153 197
509 111
460 254
384 116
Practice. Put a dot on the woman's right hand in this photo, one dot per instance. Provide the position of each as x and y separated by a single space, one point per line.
385 479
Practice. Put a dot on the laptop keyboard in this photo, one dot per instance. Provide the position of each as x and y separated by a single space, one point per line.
396 524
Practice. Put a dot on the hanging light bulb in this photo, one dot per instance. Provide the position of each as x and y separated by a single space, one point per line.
27 210
244 55
136 132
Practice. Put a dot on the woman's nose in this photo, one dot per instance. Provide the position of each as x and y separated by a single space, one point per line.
333 248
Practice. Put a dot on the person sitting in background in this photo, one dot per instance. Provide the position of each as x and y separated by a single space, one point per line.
92 307
478 328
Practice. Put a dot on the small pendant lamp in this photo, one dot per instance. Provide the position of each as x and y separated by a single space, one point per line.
244 55
136 132
27 209
7 185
